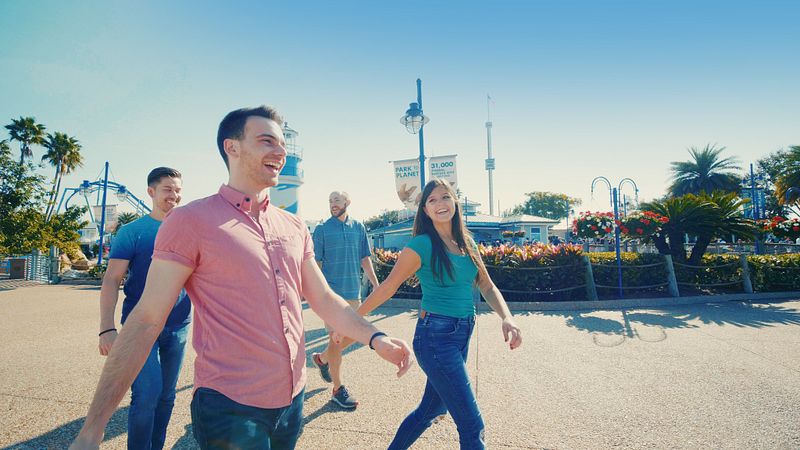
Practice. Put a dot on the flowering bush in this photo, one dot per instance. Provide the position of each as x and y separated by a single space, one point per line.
502 263
531 255
641 224
517 271
783 228
590 225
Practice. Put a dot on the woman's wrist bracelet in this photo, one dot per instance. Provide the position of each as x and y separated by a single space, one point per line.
106 331
378 334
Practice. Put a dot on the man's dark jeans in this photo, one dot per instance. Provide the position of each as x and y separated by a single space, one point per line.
153 390
220 423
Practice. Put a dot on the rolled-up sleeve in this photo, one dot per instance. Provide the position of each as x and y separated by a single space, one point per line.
309 250
178 239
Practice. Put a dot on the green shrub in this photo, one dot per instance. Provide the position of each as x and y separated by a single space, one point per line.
604 270
719 274
520 272
770 273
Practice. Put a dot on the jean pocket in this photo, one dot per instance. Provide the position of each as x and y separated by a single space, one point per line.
442 328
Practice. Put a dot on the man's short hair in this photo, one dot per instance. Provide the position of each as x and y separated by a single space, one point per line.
342 194
232 126
155 175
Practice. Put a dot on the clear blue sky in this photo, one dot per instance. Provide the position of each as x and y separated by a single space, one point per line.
581 88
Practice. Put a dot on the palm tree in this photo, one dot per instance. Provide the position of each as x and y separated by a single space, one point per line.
789 177
687 214
63 153
728 221
706 172
27 132
703 216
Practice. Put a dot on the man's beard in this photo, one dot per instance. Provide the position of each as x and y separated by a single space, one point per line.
342 212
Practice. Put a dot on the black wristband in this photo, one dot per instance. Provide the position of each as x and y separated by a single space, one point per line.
379 333
106 331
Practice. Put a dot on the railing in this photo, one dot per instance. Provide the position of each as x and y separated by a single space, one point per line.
566 287
541 293
716 248
35 266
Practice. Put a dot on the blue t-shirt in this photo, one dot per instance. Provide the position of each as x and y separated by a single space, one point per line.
134 242
340 247
448 296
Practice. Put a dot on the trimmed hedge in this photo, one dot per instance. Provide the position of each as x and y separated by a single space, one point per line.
515 271
726 279
520 271
771 273
510 268
606 273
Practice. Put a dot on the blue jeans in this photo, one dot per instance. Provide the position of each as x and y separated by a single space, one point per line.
440 345
220 423
153 390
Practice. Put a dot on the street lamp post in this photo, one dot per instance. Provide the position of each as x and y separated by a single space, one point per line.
414 121
615 204
568 234
755 208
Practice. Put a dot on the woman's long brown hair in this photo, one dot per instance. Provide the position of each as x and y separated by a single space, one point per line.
423 224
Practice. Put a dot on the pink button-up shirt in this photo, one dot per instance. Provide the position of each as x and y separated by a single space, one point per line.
246 291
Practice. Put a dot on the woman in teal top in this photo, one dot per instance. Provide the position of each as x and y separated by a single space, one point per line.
446 261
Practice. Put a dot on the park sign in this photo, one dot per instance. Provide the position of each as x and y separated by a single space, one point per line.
406 177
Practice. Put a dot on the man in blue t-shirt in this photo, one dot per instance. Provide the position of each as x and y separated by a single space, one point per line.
153 391
342 251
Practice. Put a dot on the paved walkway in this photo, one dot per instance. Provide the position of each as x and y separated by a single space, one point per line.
701 376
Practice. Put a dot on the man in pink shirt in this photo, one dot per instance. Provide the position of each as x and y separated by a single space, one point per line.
246 264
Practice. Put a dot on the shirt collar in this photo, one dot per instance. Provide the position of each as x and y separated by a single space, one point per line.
239 200
347 221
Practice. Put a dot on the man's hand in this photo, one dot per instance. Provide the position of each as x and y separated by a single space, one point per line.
106 342
394 350
511 333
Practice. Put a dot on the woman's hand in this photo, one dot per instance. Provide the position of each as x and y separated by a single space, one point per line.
511 333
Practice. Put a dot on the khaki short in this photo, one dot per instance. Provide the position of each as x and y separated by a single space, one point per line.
353 304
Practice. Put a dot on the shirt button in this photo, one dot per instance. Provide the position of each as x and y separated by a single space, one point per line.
277 270
283 302
286 330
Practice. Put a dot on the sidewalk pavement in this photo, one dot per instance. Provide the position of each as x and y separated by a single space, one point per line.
723 376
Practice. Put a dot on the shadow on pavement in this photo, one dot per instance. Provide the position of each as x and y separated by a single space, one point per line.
62 436
317 338
738 314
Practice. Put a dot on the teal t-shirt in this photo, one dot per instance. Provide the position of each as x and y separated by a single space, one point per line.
449 297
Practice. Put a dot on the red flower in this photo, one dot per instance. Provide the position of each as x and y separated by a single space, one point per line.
640 231
796 228
594 227
608 230
646 222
